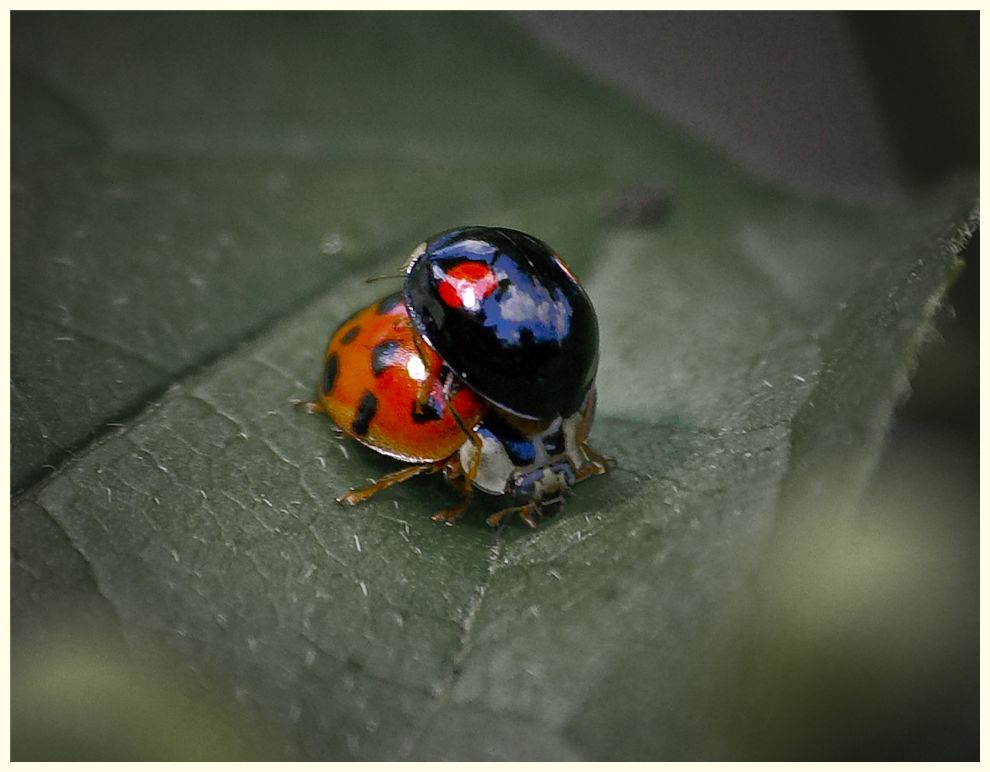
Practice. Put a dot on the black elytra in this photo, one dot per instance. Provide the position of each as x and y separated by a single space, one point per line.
508 317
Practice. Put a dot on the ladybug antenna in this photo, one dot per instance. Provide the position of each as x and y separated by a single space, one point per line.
371 279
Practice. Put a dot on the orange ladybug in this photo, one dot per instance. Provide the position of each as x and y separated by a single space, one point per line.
385 387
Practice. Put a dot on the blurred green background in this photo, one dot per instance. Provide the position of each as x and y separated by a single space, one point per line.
869 102
202 150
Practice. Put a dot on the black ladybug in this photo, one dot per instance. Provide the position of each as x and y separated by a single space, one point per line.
506 314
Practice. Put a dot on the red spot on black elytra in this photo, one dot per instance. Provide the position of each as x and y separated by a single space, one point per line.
466 284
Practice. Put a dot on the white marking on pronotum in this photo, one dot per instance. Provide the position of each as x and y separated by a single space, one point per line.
419 250
357 542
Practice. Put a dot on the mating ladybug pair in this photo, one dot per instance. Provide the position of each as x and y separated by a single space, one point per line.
482 367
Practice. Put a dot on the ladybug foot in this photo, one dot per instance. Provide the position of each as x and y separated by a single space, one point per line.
525 512
599 464
308 405
452 515
357 495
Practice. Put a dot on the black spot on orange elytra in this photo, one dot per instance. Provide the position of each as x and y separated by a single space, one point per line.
365 413
350 335
329 373
430 411
384 354
388 303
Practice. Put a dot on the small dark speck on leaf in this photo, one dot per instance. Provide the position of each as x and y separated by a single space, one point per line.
640 205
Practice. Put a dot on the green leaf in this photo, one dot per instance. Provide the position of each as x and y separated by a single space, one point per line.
188 231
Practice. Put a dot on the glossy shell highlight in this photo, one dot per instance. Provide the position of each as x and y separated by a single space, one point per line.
506 314
371 377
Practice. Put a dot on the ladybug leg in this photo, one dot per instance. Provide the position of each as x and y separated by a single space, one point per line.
452 515
599 464
372 279
463 480
426 385
313 407
308 405
525 512
357 495
453 470
458 478
463 476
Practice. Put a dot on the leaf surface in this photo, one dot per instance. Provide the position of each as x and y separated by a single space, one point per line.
186 243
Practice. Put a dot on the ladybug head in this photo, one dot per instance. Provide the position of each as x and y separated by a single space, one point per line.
508 316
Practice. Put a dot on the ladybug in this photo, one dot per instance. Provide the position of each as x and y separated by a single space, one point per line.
374 375
483 367
508 317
